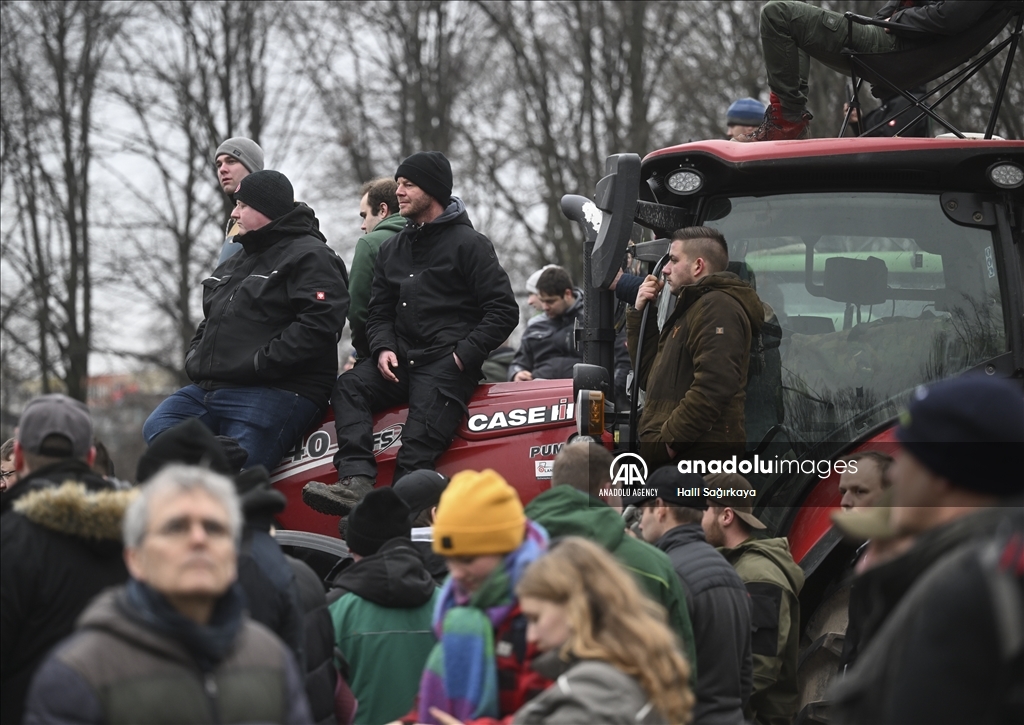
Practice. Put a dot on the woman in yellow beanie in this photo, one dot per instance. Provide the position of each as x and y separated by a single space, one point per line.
488 542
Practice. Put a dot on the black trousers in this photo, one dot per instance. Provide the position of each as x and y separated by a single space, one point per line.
437 393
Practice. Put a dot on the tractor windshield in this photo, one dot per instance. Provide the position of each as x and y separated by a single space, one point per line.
875 293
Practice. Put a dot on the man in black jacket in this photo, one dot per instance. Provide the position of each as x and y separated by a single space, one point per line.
794 32
548 348
719 605
440 304
933 648
265 358
60 540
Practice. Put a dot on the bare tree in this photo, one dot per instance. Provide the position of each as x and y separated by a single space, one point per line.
391 77
53 57
204 80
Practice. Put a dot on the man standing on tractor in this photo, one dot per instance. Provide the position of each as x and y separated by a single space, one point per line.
695 370
440 303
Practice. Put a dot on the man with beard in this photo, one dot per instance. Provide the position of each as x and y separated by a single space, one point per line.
441 303
695 370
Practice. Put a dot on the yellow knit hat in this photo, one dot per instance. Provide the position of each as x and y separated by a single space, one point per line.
479 514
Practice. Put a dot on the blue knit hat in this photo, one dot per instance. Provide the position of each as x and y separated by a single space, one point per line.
969 430
745 112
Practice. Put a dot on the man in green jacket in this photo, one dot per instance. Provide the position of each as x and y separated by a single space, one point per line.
381 608
572 508
694 371
378 208
773 581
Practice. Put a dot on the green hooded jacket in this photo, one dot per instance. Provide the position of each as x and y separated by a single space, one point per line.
360 277
564 511
695 371
773 581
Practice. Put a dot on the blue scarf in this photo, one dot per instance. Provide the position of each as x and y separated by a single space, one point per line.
209 644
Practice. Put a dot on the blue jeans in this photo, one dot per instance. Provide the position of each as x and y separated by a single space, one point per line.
266 422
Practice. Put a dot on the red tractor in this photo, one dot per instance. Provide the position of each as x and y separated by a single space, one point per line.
888 262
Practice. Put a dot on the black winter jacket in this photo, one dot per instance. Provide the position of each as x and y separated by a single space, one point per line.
438 289
321 677
59 547
548 348
720 612
878 591
274 312
934 17
271 594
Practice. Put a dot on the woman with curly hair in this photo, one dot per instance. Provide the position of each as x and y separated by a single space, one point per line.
606 645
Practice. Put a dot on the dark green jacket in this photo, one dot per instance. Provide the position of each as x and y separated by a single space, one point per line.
360 279
773 581
564 511
382 628
695 371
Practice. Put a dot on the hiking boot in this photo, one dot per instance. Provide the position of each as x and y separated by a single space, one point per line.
337 499
777 127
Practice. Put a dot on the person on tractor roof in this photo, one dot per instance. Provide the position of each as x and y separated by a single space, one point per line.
793 32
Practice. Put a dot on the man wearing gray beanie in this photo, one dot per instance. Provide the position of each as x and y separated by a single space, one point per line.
264 359
440 304
235 159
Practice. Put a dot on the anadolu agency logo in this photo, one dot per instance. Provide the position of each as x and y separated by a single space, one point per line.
629 474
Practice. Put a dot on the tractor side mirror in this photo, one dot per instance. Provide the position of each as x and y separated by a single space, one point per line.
616 197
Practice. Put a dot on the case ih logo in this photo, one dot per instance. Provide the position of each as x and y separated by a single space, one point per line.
519 417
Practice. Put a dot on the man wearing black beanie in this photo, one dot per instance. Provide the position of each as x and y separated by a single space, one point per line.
381 607
264 359
440 304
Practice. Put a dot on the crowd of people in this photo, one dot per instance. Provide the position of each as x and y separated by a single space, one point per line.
171 599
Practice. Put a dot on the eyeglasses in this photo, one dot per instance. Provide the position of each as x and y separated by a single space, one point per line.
4 475
182 526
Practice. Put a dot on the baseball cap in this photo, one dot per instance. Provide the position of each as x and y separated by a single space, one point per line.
56 414
739 505
420 490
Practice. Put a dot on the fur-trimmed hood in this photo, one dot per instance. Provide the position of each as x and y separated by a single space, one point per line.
74 510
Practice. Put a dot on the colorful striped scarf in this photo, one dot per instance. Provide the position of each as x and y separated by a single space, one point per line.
461 674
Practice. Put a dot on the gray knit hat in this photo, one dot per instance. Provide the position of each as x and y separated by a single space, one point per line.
245 150
268 192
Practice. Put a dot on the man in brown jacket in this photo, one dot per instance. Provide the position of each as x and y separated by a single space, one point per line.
695 371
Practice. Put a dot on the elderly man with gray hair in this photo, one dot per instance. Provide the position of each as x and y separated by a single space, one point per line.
174 644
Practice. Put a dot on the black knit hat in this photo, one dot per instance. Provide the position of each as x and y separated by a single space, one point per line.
260 500
268 192
431 171
969 430
378 518
421 490
189 442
